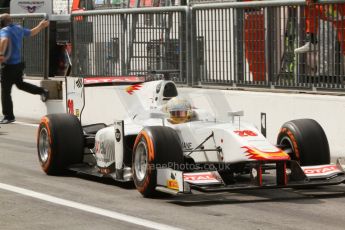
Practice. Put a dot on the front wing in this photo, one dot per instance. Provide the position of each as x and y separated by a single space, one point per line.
294 176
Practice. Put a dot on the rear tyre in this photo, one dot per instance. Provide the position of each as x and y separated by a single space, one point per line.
305 141
155 146
60 143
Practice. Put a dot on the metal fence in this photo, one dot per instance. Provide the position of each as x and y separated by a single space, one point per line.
228 43
253 43
35 50
129 42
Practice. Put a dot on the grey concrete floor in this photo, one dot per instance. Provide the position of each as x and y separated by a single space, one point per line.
319 208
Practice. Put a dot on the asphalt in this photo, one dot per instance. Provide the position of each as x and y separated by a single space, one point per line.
317 208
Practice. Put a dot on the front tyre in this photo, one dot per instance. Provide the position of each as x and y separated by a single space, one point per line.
155 146
60 142
305 141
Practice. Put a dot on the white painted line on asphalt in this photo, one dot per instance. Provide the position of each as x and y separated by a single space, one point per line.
87 208
26 124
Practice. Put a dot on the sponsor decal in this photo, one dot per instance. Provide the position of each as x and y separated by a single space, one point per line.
172 184
245 133
97 149
117 135
256 154
70 106
130 89
201 178
187 145
31 6
77 112
79 83
104 171
100 148
321 170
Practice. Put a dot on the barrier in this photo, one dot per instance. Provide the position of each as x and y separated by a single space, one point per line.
130 42
222 44
229 43
253 43
35 51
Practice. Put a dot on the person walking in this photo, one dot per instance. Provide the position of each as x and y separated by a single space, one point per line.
334 13
11 39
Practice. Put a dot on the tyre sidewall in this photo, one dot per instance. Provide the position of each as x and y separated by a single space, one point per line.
48 166
148 183
308 140
66 142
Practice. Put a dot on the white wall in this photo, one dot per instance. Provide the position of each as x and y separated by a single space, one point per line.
30 106
102 105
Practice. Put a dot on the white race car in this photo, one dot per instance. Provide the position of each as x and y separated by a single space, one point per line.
172 147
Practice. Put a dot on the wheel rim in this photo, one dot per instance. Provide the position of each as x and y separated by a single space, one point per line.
43 145
288 147
140 161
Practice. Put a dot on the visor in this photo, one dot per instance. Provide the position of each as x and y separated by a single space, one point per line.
179 113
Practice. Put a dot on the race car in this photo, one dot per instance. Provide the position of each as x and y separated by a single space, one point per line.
169 145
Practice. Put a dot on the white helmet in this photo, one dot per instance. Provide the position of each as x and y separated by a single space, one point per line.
180 110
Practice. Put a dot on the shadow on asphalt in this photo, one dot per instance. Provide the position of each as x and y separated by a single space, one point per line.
298 196
313 195
103 180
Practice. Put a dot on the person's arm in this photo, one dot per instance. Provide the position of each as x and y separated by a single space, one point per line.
3 47
43 24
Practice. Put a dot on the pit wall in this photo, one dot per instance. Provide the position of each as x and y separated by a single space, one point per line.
103 106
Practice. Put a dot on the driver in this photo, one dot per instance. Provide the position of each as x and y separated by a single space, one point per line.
179 109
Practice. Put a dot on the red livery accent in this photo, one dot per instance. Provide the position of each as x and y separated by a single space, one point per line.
321 170
256 154
70 106
132 88
118 79
246 133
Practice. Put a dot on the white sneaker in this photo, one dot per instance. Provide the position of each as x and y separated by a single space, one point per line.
307 47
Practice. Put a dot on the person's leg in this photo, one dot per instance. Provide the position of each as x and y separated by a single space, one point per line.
27 87
6 99
30 88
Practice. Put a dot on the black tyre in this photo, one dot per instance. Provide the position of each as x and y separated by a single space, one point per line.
60 142
155 146
305 141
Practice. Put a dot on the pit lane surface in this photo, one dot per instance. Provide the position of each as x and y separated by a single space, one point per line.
320 208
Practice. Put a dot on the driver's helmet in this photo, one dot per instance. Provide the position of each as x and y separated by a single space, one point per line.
179 109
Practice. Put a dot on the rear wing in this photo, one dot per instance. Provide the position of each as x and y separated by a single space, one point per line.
75 89
126 80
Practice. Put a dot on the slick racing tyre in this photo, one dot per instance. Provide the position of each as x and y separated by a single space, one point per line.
60 142
305 141
155 146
